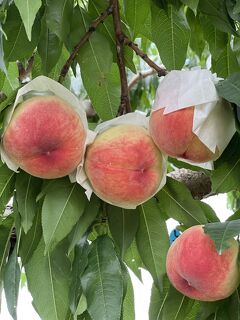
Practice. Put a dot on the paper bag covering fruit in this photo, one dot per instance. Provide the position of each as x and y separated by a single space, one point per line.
189 121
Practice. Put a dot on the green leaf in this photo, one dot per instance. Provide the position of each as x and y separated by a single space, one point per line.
197 42
48 281
222 232
136 12
193 4
226 63
49 47
2 62
17 46
30 241
234 306
11 283
229 88
123 225
95 8
102 281
176 201
28 10
153 240
158 300
171 33
63 205
89 214
11 83
95 58
217 40
176 306
210 214
133 259
7 179
226 175
5 235
217 12
80 262
59 16
27 189
128 312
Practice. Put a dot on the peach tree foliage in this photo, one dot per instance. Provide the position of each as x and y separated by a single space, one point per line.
75 252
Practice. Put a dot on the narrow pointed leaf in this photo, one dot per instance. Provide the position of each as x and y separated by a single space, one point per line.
89 214
80 262
226 63
5 235
30 240
222 232
49 47
177 202
153 240
28 10
217 40
136 12
27 189
102 281
11 283
226 175
59 14
133 259
63 205
104 87
17 46
171 34
217 12
128 311
176 306
49 281
158 300
2 62
7 178
123 225
230 88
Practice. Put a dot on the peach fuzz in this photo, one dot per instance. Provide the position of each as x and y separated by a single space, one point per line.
195 268
173 134
124 166
45 137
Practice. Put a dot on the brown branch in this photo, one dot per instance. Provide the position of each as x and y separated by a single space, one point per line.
160 71
23 73
140 76
125 106
197 182
84 39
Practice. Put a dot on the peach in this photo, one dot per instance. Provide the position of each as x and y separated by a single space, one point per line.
173 134
45 137
124 166
195 268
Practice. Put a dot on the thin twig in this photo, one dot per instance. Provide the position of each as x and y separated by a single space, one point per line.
141 75
125 106
84 39
160 71
23 74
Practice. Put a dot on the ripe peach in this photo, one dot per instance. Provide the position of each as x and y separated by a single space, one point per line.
124 166
173 134
45 137
195 268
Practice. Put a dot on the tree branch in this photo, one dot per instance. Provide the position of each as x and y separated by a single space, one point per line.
141 75
160 71
197 182
125 106
84 39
